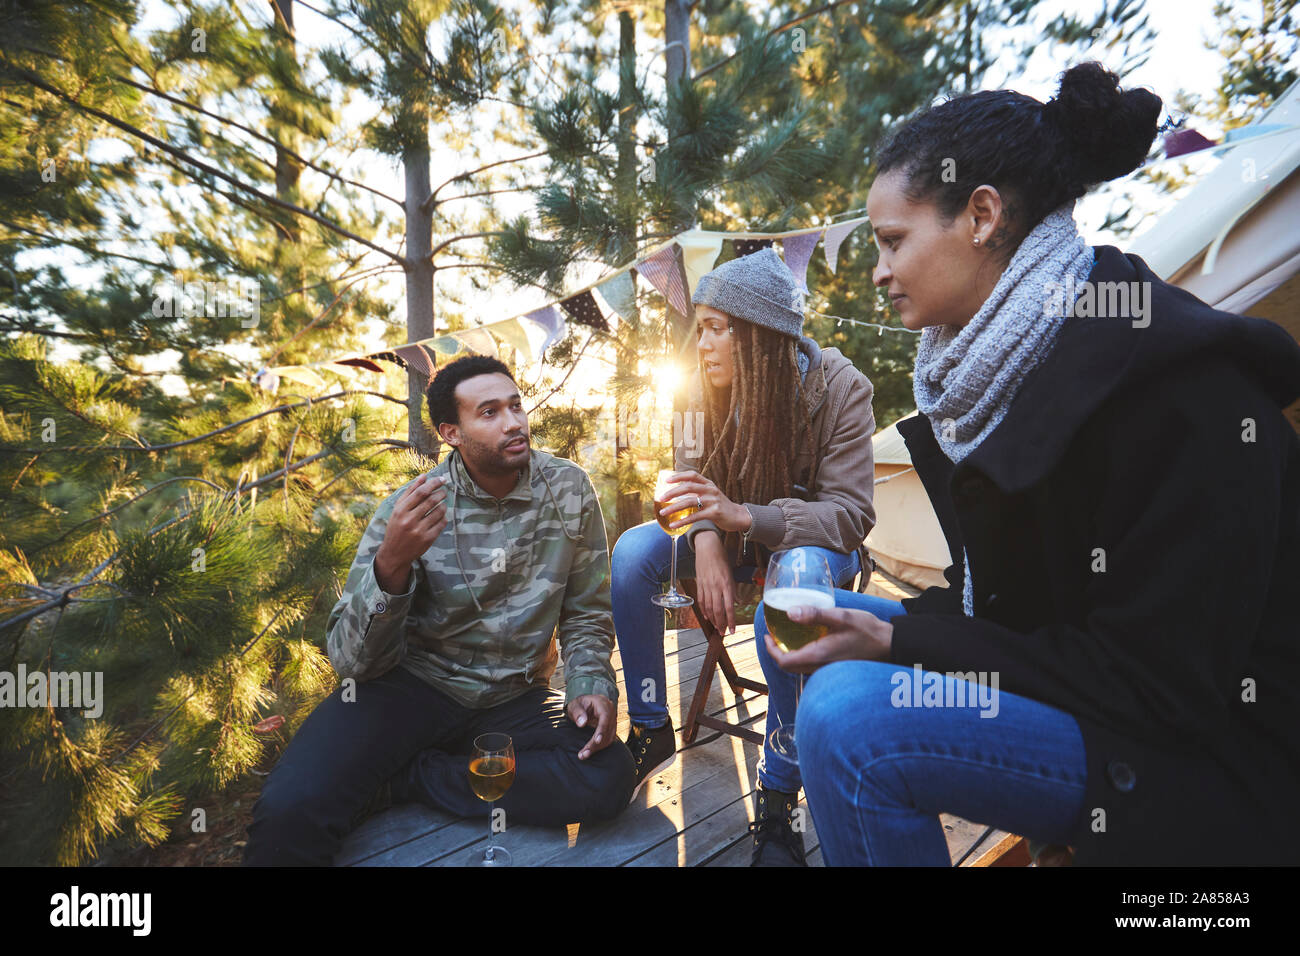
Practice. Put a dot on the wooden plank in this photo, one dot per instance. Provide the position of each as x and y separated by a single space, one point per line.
961 835
706 778
408 842
667 803
390 829
742 852
999 843
1018 855
683 672
701 839
681 689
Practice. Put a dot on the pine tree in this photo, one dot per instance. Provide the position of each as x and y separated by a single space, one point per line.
187 546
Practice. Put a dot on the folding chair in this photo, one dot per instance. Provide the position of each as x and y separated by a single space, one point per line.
716 656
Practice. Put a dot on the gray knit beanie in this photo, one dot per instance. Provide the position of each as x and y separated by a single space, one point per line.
757 288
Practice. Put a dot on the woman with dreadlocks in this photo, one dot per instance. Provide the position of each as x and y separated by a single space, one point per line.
781 458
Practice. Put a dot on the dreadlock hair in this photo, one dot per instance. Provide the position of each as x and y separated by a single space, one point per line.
752 430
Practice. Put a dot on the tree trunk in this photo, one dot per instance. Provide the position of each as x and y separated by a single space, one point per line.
287 173
419 285
677 69
625 184
287 169
677 38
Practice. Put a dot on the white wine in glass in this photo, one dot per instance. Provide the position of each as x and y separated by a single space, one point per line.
800 577
491 772
663 492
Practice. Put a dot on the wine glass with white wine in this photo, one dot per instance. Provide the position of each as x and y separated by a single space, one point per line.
491 772
800 577
663 491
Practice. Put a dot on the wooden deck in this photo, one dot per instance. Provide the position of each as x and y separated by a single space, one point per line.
693 813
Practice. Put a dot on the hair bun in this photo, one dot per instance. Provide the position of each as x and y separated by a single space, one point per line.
1107 131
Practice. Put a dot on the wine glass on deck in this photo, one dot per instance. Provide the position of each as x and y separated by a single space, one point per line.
491 772
798 577
663 490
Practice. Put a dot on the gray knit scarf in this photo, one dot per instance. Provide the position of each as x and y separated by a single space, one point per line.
967 376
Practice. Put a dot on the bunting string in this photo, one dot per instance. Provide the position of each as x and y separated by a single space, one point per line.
841 319
671 268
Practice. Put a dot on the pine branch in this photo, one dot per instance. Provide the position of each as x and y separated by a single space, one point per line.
180 154
572 365
369 271
273 476
773 32
212 434
349 468
144 736
64 597
261 136
467 235
325 311
485 192
134 498
91 246
432 201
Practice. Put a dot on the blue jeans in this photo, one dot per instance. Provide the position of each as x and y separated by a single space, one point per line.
639 567
774 773
880 763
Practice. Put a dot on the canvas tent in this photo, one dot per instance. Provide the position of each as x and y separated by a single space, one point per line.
1233 240
906 542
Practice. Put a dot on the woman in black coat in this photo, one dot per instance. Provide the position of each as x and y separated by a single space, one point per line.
1120 492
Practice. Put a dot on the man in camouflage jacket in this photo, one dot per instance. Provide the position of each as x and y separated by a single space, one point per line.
447 629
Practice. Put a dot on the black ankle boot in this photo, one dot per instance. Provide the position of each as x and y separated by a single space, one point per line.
776 842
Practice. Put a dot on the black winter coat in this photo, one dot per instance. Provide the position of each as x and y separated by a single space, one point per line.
1166 448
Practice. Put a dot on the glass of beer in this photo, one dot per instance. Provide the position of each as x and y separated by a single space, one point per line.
663 492
491 772
800 577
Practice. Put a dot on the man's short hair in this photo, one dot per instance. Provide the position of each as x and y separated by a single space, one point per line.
441 393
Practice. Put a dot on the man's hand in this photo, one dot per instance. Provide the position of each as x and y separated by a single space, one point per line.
852 636
598 709
417 519
691 488
714 584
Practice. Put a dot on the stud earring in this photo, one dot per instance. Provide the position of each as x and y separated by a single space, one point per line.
977 240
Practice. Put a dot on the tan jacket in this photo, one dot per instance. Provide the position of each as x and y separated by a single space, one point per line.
839 512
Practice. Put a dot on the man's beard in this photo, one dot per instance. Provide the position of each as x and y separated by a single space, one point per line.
496 458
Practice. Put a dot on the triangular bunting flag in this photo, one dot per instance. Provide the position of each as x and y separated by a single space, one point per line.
514 335
300 374
836 233
444 345
798 251
1183 141
366 364
549 321
477 340
619 293
1256 129
388 357
417 358
699 252
664 272
266 379
582 308
745 247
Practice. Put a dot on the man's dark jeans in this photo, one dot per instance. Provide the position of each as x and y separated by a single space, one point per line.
344 752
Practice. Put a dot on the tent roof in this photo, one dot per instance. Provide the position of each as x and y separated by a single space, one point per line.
1250 171
888 447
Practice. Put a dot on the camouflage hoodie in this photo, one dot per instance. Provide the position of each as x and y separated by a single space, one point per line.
501 582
